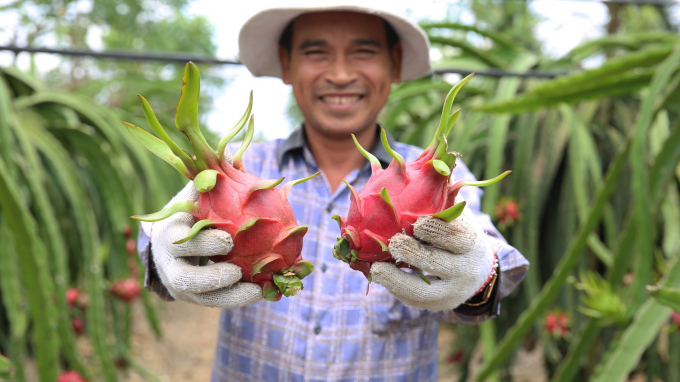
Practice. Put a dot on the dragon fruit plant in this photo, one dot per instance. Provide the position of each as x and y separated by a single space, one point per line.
394 198
267 239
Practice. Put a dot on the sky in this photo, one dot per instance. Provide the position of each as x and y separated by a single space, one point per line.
565 24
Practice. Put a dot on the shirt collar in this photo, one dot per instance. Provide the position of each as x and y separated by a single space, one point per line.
297 141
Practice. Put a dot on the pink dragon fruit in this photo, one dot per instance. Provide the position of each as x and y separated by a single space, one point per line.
394 198
267 239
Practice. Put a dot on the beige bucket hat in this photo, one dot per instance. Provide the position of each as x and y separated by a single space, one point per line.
259 38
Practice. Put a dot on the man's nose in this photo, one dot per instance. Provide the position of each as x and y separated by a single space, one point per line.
341 73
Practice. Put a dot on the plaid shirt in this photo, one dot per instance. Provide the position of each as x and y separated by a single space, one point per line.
332 330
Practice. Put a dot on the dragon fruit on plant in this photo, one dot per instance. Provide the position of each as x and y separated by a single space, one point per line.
394 198
267 239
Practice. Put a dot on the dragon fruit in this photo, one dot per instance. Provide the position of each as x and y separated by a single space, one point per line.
267 239
394 198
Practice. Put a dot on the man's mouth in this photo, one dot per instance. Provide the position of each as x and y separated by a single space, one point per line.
340 99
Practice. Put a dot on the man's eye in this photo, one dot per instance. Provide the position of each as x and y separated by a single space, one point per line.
365 51
313 52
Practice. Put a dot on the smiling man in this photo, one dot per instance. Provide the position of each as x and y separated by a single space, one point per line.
341 62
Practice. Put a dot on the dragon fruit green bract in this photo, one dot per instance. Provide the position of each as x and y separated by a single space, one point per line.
394 198
267 239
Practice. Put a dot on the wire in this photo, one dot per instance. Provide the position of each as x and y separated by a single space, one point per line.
207 60
123 55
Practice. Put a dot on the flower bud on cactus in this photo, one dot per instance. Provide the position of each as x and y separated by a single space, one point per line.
70 376
130 247
257 215
675 318
126 289
72 296
78 325
557 324
394 198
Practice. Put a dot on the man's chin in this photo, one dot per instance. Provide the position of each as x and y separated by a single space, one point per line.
341 129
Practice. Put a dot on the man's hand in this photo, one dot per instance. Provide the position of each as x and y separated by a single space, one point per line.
461 259
216 285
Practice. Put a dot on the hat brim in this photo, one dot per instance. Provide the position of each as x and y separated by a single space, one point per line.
259 38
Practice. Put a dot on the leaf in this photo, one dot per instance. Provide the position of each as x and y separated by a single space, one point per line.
286 187
238 157
159 148
640 176
665 296
468 48
616 76
195 229
547 295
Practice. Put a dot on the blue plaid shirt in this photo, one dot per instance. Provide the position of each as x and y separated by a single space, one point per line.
332 330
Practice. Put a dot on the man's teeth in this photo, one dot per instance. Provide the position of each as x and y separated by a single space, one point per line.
340 100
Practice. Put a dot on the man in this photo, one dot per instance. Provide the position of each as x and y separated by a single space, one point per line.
341 62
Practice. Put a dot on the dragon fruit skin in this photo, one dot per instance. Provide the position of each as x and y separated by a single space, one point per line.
394 198
267 240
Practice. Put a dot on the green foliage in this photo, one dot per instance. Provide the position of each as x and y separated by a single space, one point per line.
69 183
594 156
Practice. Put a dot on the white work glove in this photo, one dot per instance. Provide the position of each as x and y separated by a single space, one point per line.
214 284
459 263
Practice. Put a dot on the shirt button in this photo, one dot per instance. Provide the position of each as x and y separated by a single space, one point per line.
317 329
323 268
329 208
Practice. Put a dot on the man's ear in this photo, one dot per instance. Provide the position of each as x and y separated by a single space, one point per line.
284 61
396 56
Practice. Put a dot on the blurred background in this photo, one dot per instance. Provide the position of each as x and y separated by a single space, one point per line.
580 99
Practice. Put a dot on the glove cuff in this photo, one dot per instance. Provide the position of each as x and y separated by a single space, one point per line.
486 288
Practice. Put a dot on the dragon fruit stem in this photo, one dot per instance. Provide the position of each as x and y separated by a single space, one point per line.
448 103
393 154
375 163
235 130
160 132
286 187
238 157
289 285
183 206
422 276
196 228
186 118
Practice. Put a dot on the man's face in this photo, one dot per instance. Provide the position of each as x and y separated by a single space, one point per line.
341 69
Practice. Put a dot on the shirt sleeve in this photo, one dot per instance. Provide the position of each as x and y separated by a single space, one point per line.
513 266
151 280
